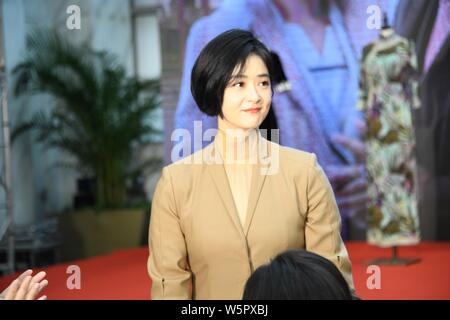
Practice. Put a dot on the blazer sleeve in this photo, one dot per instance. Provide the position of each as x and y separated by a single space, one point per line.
167 264
323 222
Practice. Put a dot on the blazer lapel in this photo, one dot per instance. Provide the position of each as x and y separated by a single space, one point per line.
219 176
259 174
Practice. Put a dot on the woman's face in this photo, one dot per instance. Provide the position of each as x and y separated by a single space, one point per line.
247 97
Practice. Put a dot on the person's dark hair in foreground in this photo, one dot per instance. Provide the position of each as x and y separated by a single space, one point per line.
297 275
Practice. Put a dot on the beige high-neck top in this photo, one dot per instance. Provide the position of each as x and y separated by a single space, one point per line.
238 166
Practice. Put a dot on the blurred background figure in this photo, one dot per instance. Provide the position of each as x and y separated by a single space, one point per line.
297 275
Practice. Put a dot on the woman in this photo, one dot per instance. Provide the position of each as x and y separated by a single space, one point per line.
219 214
297 275
318 43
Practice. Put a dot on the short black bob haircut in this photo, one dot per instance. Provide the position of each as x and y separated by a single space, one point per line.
215 64
297 275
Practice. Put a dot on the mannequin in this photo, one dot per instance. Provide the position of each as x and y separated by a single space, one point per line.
388 93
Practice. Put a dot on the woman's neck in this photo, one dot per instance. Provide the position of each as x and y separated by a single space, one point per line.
304 12
236 145
386 33
312 16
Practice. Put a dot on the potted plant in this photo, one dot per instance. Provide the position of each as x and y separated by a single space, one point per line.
101 116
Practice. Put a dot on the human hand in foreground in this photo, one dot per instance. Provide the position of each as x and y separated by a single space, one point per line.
26 287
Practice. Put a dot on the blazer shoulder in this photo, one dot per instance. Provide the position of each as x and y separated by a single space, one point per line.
185 168
297 158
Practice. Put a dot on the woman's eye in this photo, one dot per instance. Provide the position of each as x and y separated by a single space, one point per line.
265 83
238 84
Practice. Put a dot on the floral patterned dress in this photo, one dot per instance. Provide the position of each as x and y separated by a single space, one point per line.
388 92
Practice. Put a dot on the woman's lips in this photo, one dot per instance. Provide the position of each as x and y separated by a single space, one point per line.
252 110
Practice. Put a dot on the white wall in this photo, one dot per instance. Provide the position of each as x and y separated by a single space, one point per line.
14 30
110 28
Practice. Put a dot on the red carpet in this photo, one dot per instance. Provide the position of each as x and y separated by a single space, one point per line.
123 275
120 275
428 279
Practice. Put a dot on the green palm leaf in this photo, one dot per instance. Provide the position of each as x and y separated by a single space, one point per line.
100 112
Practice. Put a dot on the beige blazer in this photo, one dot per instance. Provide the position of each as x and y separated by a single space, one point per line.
198 247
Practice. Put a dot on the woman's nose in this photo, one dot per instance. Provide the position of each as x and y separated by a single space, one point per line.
253 94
